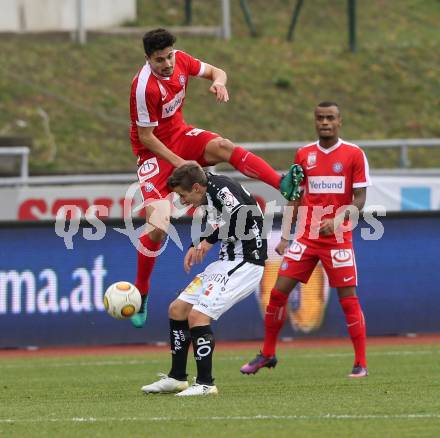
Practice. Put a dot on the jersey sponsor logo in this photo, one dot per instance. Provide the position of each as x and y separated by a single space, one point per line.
311 160
229 201
182 79
296 251
148 169
326 184
341 258
337 167
173 105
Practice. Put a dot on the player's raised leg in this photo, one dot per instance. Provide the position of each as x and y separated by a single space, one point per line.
157 218
223 150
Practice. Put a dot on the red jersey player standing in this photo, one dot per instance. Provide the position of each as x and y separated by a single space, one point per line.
335 183
162 141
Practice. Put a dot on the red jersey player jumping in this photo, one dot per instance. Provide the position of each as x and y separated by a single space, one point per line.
162 141
336 176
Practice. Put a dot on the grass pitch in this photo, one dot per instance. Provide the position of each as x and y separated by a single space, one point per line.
307 395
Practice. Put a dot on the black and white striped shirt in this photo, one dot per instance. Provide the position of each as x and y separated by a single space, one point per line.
234 217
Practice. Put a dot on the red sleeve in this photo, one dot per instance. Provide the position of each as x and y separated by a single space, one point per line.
194 66
145 101
361 173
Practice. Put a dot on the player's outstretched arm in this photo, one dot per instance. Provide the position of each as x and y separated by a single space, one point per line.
219 79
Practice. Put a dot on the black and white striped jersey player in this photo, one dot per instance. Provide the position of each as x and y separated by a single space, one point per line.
234 218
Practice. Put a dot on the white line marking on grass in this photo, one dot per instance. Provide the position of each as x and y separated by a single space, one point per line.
104 363
226 418
50 364
372 353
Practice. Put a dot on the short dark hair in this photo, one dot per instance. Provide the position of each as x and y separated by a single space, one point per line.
328 103
186 176
157 39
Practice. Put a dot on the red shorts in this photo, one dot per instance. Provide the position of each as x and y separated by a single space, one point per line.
337 259
153 171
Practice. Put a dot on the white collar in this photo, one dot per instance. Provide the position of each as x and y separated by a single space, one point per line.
330 149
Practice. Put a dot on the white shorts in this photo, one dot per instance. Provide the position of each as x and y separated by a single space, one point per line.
221 285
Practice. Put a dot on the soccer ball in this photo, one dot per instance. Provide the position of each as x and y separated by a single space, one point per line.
122 300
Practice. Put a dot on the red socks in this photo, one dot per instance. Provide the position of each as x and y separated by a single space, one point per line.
145 264
276 315
274 320
356 328
255 167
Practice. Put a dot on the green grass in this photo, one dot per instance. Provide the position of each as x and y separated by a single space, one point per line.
307 395
389 89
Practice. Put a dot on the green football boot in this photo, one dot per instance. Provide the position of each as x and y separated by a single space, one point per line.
290 182
138 319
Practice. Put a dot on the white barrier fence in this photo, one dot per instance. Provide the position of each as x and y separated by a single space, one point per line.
24 178
62 15
42 202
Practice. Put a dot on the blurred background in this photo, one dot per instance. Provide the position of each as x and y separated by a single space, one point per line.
66 68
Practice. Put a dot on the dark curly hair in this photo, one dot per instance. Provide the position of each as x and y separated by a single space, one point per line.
157 39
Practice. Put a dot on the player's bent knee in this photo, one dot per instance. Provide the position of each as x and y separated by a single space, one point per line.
156 234
196 319
285 284
158 215
220 149
344 292
226 145
226 148
179 310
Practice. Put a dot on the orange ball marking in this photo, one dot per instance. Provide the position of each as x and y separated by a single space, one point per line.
128 310
123 286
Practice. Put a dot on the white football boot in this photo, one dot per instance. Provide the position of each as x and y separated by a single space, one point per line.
198 389
165 385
